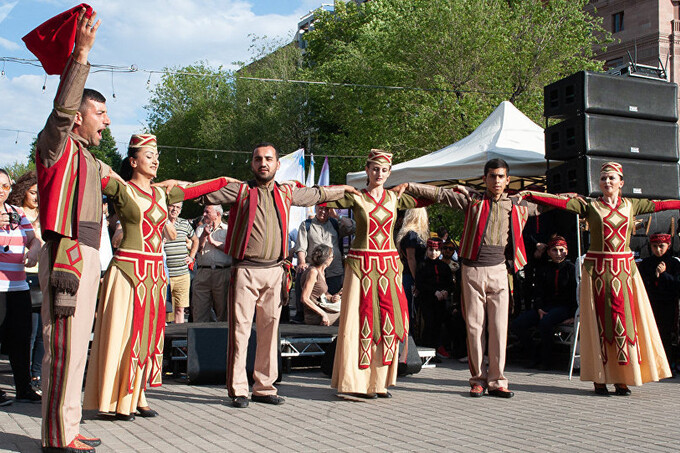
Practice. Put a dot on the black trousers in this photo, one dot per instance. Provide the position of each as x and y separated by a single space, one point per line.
15 336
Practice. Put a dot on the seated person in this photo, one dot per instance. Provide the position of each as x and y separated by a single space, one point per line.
661 275
434 284
554 301
321 308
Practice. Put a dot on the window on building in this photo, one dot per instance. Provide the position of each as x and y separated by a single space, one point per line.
617 22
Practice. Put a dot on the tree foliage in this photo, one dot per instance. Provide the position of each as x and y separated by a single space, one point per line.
107 151
457 59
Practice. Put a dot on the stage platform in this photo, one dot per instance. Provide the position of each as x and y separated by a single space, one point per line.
296 341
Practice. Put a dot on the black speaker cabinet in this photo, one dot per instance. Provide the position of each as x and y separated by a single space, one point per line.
643 178
613 136
413 363
596 92
207 355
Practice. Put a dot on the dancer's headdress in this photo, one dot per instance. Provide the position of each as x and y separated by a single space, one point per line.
380 157
612 166
142 141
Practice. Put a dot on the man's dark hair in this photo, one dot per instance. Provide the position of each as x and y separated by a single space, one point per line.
496 163
91 95
265 145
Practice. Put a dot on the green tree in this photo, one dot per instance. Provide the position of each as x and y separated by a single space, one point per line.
107 151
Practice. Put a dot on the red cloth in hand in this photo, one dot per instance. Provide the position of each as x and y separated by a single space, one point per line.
52 41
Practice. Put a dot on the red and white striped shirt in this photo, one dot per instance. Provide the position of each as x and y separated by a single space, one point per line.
13 244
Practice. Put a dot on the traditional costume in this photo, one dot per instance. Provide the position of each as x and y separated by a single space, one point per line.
374 314
127 350
257 240
620 342
492 235
69 183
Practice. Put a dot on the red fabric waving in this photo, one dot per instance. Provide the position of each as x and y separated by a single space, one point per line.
52 41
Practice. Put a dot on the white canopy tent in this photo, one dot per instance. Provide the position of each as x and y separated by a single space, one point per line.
507 134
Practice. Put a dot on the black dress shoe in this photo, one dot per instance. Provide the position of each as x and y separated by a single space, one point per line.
240 402
384 395
501 392
601 390
621 390
363 396
125 417
268 399
147 413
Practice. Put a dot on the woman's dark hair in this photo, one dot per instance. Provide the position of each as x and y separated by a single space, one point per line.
125 166
320 254
21 186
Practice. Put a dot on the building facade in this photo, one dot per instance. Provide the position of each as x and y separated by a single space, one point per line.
648 31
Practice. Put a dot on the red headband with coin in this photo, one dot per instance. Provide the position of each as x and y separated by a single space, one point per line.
434 244
557 241
660 239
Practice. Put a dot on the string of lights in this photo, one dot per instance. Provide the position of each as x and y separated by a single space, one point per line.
124 145
134 68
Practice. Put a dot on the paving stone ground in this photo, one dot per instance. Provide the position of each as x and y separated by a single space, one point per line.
430 411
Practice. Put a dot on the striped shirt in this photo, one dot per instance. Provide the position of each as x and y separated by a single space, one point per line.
176 251
13 244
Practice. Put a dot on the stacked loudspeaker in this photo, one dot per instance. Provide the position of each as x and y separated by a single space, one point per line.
629 120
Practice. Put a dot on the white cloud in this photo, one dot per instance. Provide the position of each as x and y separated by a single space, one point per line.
152 35
9 45
5 8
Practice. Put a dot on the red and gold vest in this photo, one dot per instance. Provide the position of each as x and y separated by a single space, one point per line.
474 227
242 216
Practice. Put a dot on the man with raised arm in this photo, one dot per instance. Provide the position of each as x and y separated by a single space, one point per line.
69 183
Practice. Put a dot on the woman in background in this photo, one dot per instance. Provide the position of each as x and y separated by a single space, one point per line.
25 194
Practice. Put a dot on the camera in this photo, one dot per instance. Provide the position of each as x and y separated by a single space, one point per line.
14 219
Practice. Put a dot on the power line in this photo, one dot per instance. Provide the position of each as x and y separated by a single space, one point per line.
124 145
134 68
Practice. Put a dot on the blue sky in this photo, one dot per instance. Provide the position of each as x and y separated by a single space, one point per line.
150 34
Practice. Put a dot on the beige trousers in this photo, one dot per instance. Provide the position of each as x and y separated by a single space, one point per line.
66 343
253 291
486 305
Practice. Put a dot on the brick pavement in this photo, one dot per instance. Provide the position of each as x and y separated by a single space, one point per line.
430 411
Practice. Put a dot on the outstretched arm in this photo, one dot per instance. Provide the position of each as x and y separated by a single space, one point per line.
566 202
310 196
197 189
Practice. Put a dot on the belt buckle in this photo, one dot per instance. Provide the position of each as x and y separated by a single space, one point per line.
212 266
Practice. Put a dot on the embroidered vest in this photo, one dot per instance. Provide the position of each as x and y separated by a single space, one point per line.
242 216
476 220
61 188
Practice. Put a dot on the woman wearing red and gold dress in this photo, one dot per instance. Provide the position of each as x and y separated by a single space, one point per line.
374 314
620 343
127 351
